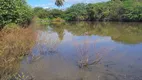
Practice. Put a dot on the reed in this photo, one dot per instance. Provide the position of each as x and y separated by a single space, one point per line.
15 43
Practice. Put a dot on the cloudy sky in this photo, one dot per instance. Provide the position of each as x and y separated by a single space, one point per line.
51 3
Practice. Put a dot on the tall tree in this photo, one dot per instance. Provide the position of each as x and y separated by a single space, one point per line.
59 2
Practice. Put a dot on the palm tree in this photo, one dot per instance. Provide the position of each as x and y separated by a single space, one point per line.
59 2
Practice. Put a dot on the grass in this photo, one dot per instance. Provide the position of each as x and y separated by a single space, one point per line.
15 43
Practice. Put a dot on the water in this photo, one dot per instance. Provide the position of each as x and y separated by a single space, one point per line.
62 49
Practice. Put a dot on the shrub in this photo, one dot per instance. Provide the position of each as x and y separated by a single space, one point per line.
57 21
14 45
14 11
10 27
41 12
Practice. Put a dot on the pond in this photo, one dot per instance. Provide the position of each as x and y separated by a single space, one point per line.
86 51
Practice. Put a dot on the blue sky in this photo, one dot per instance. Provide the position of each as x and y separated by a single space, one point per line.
51 3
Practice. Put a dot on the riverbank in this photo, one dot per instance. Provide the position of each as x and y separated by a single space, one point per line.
15 43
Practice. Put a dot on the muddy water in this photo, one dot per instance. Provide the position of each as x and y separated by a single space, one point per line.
61 49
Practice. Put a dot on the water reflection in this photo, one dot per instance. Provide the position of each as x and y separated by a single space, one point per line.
74 46
130 33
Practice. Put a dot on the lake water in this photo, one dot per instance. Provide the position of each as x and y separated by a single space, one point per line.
62 50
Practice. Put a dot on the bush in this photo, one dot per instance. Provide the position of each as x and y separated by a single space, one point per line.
14 45
41 12
11 26
57 21
14 11
77 12
55 13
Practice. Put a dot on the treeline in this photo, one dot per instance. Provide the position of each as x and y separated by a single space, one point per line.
114 10
19 12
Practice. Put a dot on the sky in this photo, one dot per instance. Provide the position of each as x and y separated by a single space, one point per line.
51 3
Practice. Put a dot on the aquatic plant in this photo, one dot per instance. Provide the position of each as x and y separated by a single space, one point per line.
22 76
86 57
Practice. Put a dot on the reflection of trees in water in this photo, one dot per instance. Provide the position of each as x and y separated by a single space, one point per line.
60 31
122 32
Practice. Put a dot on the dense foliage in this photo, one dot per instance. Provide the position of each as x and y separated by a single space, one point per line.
14 11
77 12
55 13
40 12
17 11
115 10
48 13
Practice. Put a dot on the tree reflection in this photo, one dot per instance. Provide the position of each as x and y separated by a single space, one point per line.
129 33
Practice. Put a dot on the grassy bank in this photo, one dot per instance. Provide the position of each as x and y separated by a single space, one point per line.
15 43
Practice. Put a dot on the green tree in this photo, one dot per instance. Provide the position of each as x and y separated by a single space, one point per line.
114 10
59 2
17 11
55 13
14 11
132 10
77 12
40 12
